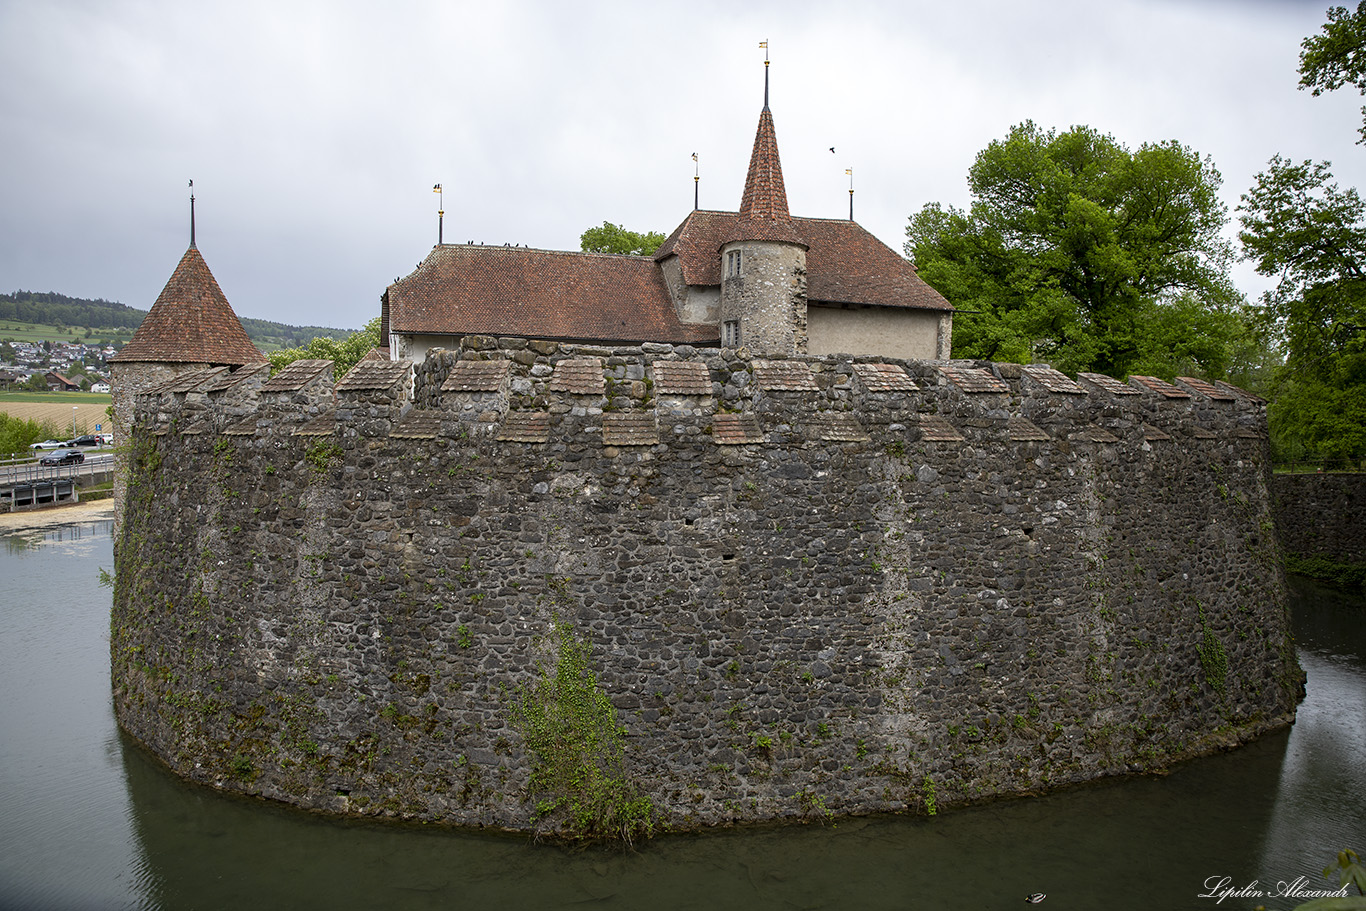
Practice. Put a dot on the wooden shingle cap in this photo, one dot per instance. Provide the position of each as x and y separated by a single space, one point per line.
973 380
935 429
682 378
324 425
477 376
525 427
884 378
784 376
296 375
579 376
840 428
369 376
629 429
1206 388
1160 386
417 425
736 429
1052 380
1022 430
1108 383
243 428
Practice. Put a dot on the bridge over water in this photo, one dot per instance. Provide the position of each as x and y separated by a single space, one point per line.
27 484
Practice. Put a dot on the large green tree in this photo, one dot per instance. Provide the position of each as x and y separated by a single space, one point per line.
344 353
1079 252
1300 227
1337 57
612 238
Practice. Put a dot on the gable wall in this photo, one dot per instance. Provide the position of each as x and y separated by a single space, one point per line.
882 331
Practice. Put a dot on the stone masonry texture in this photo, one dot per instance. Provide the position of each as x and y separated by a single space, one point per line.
887 619
1321 515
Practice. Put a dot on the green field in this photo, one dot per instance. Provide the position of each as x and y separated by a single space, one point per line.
58 398
11 331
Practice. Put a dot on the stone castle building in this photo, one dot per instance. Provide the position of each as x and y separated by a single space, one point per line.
809 584
757 278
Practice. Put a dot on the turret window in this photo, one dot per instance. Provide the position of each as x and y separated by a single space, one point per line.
733 263
730 333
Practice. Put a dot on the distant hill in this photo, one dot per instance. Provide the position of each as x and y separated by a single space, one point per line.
48 308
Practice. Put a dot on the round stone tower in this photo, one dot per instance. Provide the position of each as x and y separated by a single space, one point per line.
191 326
763 259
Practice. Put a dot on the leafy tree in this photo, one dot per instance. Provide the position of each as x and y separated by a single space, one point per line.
612 238
1082 253
17 434
1298 225
344 354
1338 56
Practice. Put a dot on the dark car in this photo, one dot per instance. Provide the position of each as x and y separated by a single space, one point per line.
63 457
88 439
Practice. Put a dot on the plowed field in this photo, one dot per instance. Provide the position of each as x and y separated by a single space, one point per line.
88 414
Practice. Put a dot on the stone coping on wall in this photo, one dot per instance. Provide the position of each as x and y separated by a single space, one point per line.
533 392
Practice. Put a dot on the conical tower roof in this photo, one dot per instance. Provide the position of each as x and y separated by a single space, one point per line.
191 322
763 207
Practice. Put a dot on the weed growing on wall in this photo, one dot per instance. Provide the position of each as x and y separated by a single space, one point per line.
571 731
1213 657
321 455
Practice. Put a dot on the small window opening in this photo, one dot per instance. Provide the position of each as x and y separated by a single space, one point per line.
734 262
730 333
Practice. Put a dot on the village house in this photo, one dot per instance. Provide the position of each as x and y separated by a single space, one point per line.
757 278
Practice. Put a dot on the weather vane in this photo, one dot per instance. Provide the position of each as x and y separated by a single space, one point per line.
764 45
191 213
850 172
440 213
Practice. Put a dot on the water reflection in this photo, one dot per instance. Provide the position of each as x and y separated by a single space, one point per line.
87 819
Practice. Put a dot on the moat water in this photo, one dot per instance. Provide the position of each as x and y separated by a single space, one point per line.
88 821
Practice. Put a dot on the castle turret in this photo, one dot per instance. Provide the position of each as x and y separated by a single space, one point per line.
763 258
191 326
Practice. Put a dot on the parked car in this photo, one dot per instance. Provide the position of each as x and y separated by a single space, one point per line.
47 444
106 439
88 439
63 457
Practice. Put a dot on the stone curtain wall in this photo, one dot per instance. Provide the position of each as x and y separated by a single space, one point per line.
808 586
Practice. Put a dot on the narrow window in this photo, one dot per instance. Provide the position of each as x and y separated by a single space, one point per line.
730 333
733 263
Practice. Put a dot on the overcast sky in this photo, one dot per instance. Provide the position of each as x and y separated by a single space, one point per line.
314 131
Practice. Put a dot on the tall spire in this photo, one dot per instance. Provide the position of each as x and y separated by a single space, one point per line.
763 207
765 196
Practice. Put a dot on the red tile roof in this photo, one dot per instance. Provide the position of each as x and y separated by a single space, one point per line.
844 263
517 291
191 322
763 206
